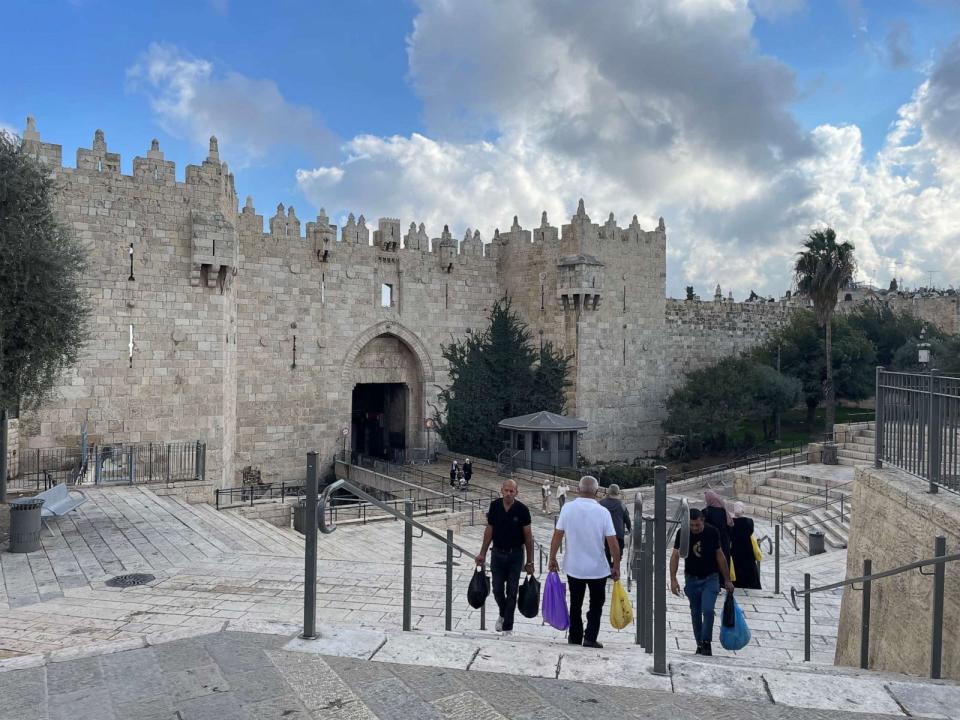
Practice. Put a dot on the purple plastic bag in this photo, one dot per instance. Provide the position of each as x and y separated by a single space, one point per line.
555 602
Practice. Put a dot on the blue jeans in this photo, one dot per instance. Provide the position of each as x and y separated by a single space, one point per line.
702 594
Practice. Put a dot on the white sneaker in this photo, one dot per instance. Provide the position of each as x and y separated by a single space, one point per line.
499 625
505 633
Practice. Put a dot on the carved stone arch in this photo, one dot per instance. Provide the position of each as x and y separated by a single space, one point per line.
388 327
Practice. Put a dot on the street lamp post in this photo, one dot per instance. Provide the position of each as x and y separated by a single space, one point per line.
428 423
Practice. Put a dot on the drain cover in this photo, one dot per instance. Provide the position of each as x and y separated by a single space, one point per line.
129 580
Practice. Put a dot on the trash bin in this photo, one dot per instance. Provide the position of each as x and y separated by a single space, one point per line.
829 456
25 525
300 517
815 542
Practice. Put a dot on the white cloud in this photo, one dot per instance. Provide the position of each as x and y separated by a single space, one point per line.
774 10
8 129
249 116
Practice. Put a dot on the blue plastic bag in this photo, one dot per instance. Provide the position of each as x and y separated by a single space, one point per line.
737 636
555 602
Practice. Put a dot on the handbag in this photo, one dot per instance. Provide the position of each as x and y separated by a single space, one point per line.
757 555
621 610
478 589
528 597
555 602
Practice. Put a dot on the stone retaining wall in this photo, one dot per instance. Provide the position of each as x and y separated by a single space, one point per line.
894 522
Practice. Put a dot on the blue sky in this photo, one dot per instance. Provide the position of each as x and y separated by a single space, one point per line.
743 124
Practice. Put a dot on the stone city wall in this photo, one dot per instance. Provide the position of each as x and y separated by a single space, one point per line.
893 522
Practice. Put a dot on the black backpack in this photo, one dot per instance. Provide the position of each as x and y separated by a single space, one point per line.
528 597
479 589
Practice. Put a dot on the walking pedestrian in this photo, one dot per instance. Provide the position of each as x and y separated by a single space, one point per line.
454 471
703 567
717 515
613 502
545 495
508 529
587 527
742 553
467 470
562 494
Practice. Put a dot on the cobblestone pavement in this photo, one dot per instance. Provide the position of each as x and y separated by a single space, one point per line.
239 676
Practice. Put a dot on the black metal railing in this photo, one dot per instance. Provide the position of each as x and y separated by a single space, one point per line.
247 494
939 561
141 463
918 426
41 469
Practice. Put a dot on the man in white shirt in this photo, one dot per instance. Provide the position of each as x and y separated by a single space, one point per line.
587 526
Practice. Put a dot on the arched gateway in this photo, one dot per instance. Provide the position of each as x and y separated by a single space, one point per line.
388 369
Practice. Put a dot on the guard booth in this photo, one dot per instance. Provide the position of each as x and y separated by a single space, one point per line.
546 440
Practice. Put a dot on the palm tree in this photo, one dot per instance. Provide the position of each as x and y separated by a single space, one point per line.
822 269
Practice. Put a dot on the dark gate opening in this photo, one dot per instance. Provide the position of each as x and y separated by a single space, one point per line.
378 419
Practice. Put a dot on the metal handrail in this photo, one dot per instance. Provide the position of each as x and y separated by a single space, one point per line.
866 580
354 490
794 593
824 494
825 504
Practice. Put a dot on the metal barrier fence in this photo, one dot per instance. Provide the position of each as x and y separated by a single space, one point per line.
41 469
918 426
141 463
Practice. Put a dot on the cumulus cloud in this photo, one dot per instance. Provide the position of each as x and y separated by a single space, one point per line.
192 99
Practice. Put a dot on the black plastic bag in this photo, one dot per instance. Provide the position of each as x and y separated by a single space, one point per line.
729 619
528 597
479 589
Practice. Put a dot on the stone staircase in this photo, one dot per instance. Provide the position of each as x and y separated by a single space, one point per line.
800 494
857 445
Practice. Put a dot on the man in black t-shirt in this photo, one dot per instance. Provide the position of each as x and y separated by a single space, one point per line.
703 567
508 528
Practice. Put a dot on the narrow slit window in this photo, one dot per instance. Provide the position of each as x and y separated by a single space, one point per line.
323 288
130 347
386 295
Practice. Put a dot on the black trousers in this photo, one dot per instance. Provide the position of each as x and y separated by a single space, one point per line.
606 550
598 595
506 566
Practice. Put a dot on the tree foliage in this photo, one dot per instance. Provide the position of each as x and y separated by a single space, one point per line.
887 329
717 402
497 374
802 349
42 304
822 268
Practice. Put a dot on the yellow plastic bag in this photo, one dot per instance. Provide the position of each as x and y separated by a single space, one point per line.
756 549
733 572
621 610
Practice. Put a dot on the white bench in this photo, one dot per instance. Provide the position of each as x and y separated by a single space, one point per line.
58 501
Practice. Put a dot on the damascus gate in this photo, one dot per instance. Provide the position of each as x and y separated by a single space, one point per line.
265 336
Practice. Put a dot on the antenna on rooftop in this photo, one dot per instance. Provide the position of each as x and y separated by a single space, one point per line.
931 273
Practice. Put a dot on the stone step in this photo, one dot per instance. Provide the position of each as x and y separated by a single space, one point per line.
246 536
805 488
763 504
853 454
817 475
235 539
858 443
838 533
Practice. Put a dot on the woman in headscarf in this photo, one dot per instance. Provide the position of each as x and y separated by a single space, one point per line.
716 514
742 550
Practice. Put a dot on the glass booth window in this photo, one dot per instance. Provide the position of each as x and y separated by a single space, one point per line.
566 441
541 442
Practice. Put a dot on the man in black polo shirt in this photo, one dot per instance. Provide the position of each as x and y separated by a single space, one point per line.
703 567
508 528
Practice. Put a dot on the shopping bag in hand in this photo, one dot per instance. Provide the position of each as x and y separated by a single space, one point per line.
555 602
479 588
737 635
729 615
621 610
528 597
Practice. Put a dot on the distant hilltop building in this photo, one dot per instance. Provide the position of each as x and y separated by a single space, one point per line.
267 345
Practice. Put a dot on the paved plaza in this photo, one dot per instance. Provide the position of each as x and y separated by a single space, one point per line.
238 675
219 575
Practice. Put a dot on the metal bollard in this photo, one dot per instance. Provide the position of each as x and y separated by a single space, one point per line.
660 572
865 617
939 576
636 564
310 552
776 560
648 585
806 617
448 611
407 563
